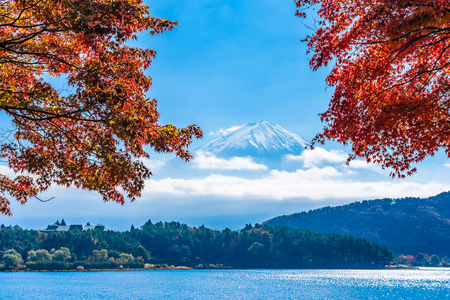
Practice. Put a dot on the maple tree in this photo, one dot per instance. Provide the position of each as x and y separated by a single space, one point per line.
390 70
93 135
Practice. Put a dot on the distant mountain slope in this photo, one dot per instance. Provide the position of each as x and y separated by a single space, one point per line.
404 226
256 139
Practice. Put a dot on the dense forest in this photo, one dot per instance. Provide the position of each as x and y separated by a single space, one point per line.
178 244
404 226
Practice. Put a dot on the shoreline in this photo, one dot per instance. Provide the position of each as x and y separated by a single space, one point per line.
184 268
171 268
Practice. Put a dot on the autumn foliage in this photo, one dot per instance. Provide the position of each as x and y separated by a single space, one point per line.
94 134
390 64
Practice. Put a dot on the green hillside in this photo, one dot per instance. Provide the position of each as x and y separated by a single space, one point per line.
404 226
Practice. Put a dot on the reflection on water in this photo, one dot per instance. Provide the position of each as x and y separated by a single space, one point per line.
426 283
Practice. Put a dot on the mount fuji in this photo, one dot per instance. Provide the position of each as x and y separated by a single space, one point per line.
259 139
263 145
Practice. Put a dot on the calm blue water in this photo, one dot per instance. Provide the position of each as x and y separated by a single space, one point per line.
229 284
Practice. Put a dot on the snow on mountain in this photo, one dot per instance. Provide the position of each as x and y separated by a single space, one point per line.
256 139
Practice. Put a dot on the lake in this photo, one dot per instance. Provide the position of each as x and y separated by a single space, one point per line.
426 283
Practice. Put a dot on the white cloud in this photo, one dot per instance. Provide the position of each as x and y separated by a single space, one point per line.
225 131
361 164
5 170
154 165
208 161
320 156
269 193
324 176
311 158
314 183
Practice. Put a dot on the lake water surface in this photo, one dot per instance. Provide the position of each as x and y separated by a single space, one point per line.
427 283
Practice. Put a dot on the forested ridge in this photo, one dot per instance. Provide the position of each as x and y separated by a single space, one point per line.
173 243
404 226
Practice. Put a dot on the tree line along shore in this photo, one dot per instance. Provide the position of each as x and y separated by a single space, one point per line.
161 245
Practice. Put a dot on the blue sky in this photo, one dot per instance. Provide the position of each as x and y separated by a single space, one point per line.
231 62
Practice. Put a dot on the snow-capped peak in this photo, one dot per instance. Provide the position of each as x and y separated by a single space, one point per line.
259 138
